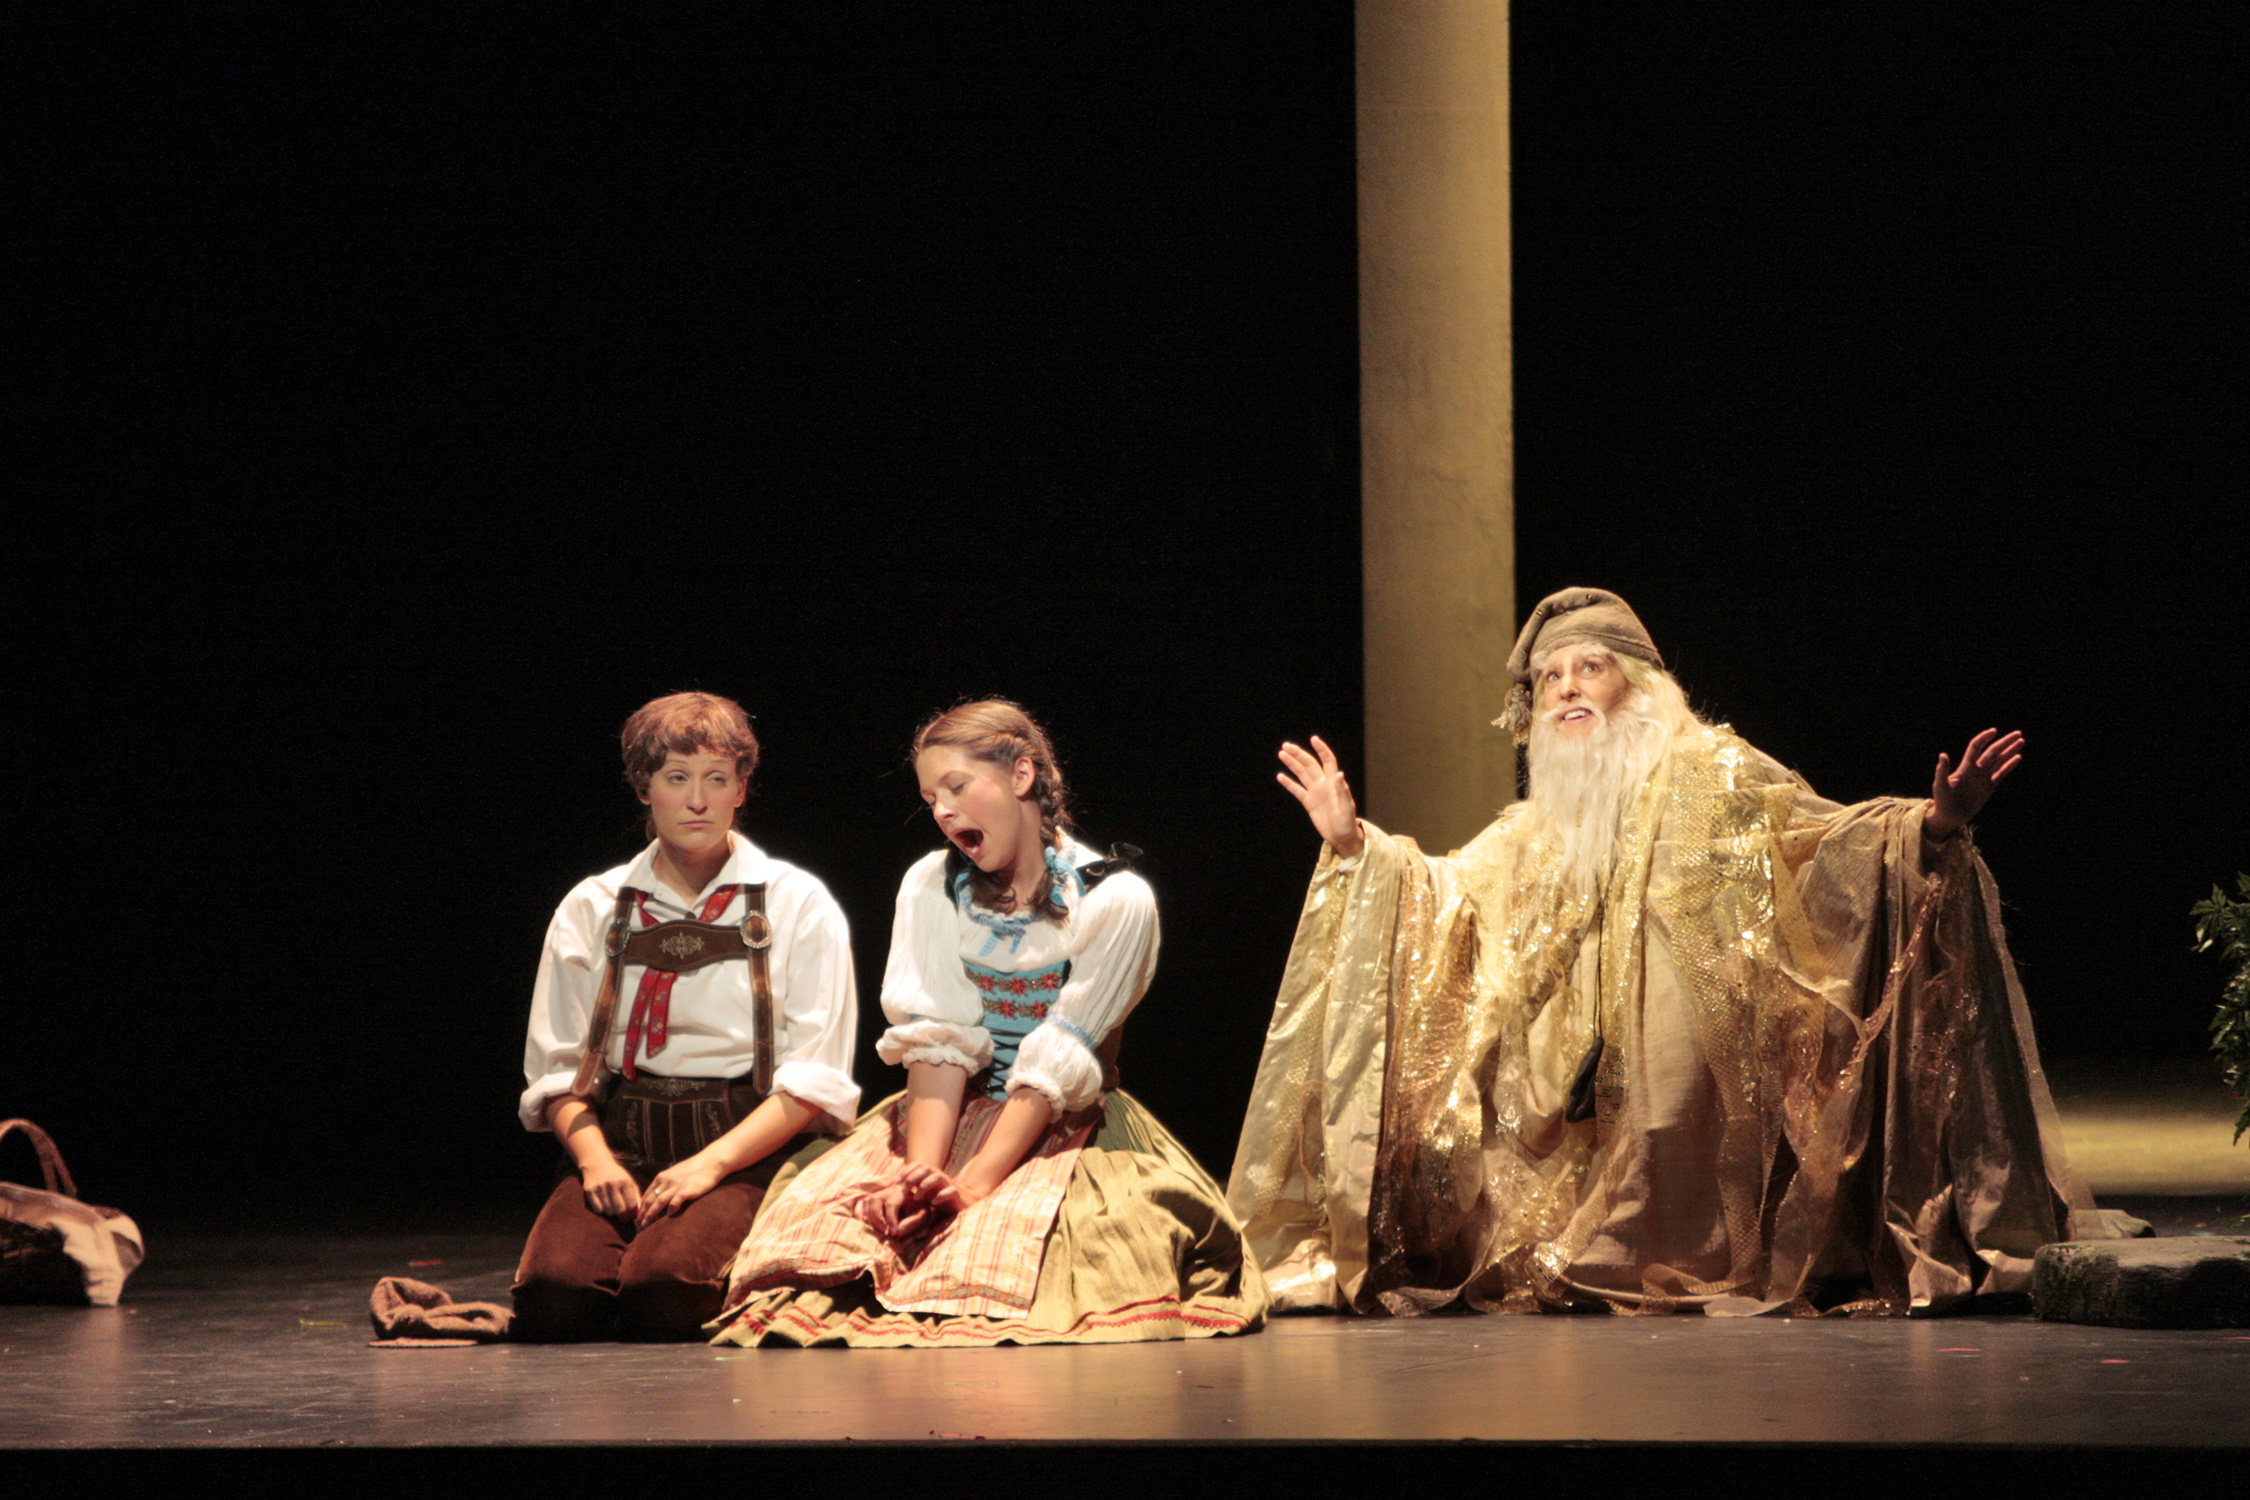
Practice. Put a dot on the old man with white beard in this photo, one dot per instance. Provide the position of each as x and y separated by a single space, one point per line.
1673 1033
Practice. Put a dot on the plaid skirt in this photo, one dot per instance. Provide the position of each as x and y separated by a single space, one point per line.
1108 1232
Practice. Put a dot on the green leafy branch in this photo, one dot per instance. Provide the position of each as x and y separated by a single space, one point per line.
2225 924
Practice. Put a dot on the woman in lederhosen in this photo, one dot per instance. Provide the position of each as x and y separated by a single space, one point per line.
1011 1194
679 1091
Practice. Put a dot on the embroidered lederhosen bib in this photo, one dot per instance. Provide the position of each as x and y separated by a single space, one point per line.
651 1121
666 951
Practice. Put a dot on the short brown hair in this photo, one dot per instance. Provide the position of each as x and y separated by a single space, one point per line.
686 724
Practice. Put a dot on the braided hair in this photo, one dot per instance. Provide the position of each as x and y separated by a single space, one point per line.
1000 732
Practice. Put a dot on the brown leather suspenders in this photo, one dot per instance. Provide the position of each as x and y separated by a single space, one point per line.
592 1063
679 948
757 936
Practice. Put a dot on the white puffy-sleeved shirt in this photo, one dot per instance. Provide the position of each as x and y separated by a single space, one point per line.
815 1000
942 950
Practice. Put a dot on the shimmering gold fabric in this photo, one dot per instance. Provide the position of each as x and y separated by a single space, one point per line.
1818 1084
1307 1157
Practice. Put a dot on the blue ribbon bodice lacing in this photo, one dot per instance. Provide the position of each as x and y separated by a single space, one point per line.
1063 881
1017 1002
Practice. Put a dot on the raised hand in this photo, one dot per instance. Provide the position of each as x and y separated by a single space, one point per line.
1959 792
1315 780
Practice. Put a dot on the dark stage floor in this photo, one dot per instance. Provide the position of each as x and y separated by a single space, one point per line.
260 1341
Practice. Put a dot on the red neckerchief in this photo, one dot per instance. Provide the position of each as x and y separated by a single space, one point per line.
653 1002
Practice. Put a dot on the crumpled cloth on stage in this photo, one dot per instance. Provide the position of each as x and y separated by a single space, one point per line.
410 1314
1818 1089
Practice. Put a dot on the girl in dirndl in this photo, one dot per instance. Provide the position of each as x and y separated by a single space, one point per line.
1011 1194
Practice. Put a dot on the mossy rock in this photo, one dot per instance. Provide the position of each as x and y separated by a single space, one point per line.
2188 1281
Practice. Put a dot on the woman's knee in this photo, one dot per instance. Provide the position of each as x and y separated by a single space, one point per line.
674 1278
662 1301
554 1308
566 1284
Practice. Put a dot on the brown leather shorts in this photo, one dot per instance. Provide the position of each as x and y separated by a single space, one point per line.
652 1122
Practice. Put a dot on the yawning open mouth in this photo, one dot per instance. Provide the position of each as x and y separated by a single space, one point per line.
970 840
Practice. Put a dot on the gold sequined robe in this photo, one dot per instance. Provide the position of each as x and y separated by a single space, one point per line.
1818 1085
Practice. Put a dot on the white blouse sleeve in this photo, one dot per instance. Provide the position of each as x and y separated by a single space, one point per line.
818 1001
1113 940
934 1011
562 998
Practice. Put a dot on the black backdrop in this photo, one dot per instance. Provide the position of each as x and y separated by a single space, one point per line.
414 404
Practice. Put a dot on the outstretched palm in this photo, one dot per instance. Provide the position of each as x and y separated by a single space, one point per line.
1318 783
1959 792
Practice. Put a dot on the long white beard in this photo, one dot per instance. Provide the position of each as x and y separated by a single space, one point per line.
1583 786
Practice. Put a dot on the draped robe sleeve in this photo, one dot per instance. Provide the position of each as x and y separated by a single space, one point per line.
1305 1168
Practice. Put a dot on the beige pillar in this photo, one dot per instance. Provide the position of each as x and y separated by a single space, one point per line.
1437 425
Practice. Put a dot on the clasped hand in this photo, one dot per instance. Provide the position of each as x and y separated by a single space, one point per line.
914 1202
